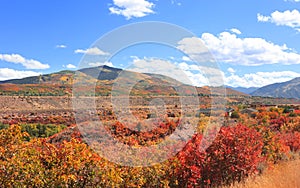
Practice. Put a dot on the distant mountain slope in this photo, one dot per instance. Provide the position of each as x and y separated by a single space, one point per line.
289 89
102 72
220 91
244 89
47 78
106 79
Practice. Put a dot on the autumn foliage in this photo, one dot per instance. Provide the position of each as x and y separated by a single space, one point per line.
234 155
237 152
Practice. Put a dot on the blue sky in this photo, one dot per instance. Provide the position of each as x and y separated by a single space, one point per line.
255 42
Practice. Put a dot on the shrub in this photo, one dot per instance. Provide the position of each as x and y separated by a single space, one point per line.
233 155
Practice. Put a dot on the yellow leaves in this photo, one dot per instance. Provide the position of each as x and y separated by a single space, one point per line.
69 164
68 177
64 78
203 122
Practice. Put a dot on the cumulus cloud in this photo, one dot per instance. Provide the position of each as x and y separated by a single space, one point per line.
201 74
231 70
27 63
158 66
7 74
185 58
262 18
70 66
198 75
60 46
286 18
97 64
91 51
132 8
228 48
187 73
195 49
260 79
192 46
236 31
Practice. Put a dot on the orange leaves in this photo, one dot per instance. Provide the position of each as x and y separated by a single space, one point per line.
40 163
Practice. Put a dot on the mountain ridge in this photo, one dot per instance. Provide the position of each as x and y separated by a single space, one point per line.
60 83
246 90
288 89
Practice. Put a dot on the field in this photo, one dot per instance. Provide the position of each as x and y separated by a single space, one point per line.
283 175
54 141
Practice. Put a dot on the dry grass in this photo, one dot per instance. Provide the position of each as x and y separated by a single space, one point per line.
284 175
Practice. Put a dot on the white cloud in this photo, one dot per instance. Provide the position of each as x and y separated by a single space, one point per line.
132 8
201 75
286 18
192 46
159 66
60 46
195 49
97 64
228 48
70 66
262 18
236 31
91 51
231 70
186 58
27 63
7 74
260 79
198 75
186 73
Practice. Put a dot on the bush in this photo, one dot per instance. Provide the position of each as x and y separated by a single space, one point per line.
233 155
41 130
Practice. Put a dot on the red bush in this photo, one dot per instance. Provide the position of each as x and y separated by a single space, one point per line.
233 155
292 140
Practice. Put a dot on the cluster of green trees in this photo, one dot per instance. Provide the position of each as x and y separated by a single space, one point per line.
38 130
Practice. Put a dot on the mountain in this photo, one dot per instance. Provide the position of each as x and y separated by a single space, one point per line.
244 89
110 79
104 77
47 78
289 89
106 72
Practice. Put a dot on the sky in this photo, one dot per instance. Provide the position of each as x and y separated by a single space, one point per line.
253 42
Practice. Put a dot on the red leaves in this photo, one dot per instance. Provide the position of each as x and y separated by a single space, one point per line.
292 140
233 155
133 137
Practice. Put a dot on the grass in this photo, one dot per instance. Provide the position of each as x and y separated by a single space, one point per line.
283 175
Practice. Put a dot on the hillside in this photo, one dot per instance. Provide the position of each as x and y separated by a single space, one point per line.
47 78
61 83
289 89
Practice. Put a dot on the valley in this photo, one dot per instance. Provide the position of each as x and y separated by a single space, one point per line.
56 123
